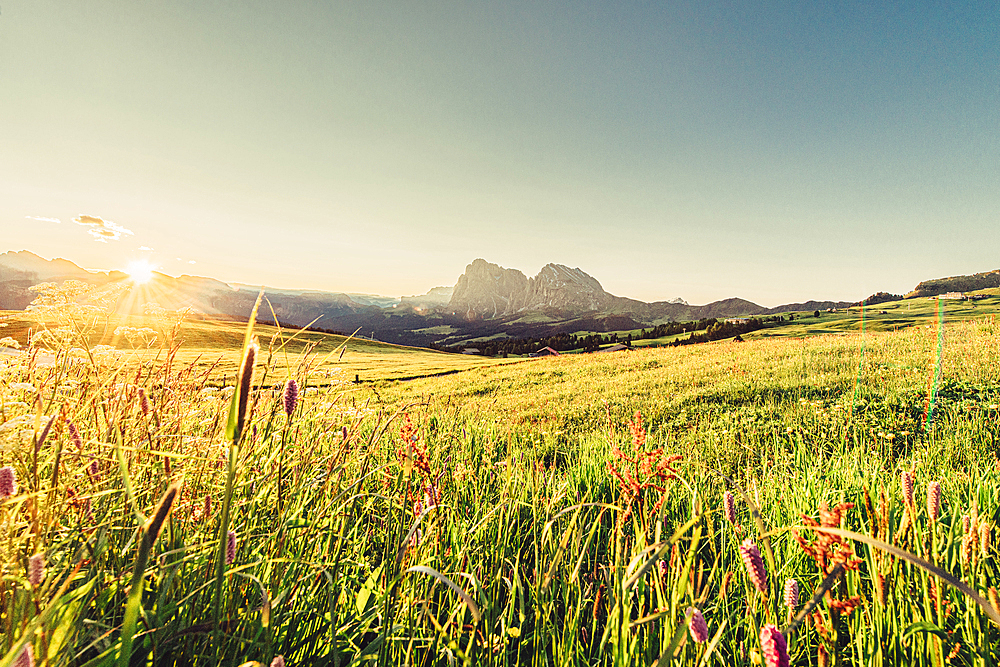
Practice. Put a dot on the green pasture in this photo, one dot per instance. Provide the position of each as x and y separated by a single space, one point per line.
212 348
561 511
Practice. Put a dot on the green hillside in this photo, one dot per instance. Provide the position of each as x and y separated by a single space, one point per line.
213 347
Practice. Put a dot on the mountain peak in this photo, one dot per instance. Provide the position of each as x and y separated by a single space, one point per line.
488 290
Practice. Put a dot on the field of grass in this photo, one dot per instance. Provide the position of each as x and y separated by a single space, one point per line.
890 316
564 511
212 347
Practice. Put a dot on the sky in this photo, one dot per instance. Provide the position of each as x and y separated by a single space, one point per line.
774 151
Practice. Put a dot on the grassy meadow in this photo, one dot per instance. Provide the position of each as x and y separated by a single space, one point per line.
578 510
213 348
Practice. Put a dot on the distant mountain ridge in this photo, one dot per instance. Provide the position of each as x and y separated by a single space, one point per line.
490 291
486 300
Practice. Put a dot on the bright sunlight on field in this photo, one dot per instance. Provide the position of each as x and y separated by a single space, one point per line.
827 500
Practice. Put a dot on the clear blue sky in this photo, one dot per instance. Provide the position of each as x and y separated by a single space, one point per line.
776 151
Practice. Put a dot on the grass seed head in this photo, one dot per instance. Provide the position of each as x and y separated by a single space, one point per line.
143 401
697 625
8 482
967 541
984 539
26 658
773 646
291 396
881 589
230 547
822 656
729 507
906 481
754 565
36 570
74 435
933 501
246 379
791 593
206 510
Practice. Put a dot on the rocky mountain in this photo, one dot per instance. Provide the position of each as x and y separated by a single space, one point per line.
489 291
437 297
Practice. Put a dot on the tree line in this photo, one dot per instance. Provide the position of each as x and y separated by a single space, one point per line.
701 331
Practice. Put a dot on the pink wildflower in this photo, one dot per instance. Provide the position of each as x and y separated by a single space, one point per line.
754 565
697 626
773 646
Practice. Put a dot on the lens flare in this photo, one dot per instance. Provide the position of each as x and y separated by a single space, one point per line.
140 271
935 378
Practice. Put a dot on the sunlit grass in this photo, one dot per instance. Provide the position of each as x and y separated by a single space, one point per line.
473 518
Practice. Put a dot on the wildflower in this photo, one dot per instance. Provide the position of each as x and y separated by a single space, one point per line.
729 507
279 661
26 658
8 482
906 480
754 565
36 570
828 550
230 547
954 652
697 625
291 396
74 435
933 500
791 593
773 646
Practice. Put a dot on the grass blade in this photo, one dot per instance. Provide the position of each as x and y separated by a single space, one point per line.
469 602
150 531
946 577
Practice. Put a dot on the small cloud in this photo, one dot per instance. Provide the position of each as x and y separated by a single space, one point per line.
191 261
142 247
102 230
43 218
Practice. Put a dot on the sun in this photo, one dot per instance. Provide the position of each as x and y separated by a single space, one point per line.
140 271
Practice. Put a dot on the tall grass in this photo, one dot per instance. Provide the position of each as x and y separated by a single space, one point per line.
517 515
